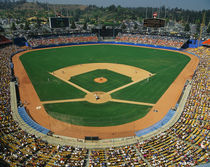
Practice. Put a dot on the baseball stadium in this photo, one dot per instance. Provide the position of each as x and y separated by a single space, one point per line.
95 100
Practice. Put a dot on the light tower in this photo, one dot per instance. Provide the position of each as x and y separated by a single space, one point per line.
201 28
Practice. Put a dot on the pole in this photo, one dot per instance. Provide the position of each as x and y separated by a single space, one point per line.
113 32
201 28
146 13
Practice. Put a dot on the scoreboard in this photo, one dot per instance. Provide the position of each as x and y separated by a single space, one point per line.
154 23
58 22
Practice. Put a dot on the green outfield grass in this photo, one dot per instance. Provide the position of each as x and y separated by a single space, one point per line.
165 65
150 90
114 80
88 114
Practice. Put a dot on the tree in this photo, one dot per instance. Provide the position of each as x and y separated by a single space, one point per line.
123 26
103 27
196 36
1 29
22 1
187 27
21 26
112 8
87 19
85 26
13 27
135 26
26 27
73 26
198 24
77 14
140 19
38 23
208 28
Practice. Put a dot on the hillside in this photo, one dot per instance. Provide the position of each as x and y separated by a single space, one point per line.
97 15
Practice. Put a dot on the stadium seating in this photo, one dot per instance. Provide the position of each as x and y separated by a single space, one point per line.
186 143
97 158
152 40
62 40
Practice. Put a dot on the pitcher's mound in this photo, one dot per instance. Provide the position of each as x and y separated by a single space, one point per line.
100 80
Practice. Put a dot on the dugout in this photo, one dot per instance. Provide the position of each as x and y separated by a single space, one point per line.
91 138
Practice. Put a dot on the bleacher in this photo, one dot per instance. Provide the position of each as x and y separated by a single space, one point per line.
61 40
156 40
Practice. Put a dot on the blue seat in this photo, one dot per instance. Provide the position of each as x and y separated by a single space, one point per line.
30 122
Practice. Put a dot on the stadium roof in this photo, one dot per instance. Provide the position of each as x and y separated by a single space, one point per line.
35 18
4 40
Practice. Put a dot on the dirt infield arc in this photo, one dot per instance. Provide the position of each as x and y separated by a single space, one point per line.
31 100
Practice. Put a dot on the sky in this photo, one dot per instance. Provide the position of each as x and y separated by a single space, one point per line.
184 4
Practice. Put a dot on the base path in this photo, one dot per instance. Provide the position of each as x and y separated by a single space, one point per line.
31 100
132 102
70 83
62 101
129 84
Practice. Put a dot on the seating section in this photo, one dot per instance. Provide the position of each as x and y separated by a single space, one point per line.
186 143
152 40
24 115
97 158
124 156
56 40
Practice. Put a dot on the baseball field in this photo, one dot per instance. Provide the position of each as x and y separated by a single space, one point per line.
101 85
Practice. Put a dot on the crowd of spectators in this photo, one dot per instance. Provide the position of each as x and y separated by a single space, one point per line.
97 158
124 156
56 40
186 143
152 40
